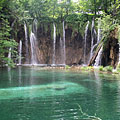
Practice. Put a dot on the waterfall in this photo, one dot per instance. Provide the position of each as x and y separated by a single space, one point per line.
20 52
35 27
99 31
98 58
92 40
9 54
26 43
54 43
33 43
99 36
64 51
86 33
61 50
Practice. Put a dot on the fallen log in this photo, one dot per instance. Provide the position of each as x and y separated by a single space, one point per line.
92 60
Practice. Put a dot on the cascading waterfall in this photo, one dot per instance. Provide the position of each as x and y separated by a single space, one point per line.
92 40
33 48
35 27
54 43
64 51
33 43
98 58
99 31
61 50
26 43
86 33
20 52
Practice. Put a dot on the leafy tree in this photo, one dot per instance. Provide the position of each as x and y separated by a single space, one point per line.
5 36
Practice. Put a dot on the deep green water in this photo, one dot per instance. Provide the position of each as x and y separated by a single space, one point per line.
34 94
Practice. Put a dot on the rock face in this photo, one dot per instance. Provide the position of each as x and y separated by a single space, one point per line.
110 53
74 43
74 46
111 50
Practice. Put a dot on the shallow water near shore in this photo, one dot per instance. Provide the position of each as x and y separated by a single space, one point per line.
32 93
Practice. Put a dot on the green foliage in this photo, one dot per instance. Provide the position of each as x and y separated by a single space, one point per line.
87 68
5 40
108 68
67 67
101 68
118 67
108 24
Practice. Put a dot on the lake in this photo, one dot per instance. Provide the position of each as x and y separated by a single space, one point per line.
33 93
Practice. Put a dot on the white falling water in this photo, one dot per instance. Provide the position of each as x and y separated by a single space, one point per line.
86 33
99 36
9 54
35 27
54 43
99 31
64 51
92 40
98 58
26 43
61 50
20 52
33 43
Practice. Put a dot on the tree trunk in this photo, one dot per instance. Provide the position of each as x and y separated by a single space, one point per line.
95 55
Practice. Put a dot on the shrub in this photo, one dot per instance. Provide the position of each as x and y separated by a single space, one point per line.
101 68
109 68
87 68
67 67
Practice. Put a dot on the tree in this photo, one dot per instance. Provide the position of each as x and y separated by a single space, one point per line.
5 36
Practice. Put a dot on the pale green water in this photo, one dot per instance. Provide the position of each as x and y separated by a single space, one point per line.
33 94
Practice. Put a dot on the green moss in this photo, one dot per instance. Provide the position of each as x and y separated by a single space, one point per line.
108 68
101 68
67 67
87 68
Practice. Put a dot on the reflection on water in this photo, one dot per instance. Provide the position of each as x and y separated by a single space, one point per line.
9 75
20 76
34 94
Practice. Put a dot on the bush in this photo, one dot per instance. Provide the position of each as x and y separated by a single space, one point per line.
67 67
101 68
87 68
109 68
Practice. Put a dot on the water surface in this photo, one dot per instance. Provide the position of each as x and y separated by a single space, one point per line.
36 94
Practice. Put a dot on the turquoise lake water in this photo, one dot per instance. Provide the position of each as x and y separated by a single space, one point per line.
38 94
